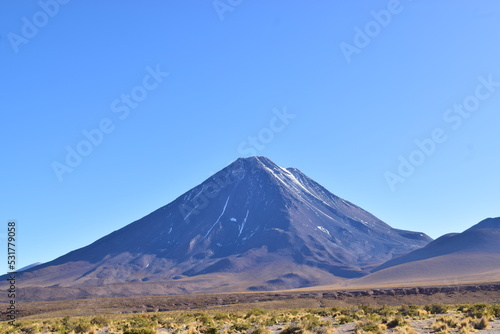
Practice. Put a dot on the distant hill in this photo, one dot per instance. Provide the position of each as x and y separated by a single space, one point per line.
29 266
470 256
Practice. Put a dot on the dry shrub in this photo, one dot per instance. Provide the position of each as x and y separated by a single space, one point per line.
397 322
437 308
293 330
367 326
260 330
440 327
452 322
464 330
406 330
483 323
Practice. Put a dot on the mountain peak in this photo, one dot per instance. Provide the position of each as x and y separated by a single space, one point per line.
255 158
256 161
250 215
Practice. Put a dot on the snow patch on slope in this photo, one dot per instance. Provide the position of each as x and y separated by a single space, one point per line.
324 230
244 221
218 219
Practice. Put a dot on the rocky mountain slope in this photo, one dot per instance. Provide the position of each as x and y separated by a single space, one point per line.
252 226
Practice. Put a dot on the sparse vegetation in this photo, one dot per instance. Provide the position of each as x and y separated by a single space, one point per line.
369 326
436 308
397 322
362 319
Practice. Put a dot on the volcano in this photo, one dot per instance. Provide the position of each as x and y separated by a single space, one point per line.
252 226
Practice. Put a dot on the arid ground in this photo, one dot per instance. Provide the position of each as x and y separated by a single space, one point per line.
440 309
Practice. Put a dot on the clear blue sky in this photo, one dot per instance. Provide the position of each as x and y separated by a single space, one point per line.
361 92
